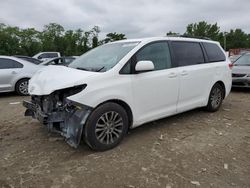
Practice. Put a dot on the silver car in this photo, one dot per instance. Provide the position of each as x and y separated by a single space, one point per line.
15 74
241 71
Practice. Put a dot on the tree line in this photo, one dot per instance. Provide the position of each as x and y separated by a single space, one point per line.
17 41
53 37
234 38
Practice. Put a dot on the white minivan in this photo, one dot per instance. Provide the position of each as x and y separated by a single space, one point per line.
124 84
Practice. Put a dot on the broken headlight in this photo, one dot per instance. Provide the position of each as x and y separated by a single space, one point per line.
61 95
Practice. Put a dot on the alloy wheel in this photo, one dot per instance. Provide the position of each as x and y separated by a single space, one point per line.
23 87
109 127
216 97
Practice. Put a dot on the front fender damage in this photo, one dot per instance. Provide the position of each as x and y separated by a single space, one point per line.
74 126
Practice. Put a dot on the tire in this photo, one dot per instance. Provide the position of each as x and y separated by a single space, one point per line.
215 98
106 127
22 87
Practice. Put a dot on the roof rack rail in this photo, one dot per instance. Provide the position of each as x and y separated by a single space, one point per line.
189 36
196 37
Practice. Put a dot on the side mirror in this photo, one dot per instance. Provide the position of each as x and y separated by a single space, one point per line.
39 57
143 66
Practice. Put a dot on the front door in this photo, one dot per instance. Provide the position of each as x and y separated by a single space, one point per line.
155 93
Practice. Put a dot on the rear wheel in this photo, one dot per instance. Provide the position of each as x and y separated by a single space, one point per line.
215 98
106 126
22 87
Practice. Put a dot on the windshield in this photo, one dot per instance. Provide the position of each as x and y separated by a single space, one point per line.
104 57
243 60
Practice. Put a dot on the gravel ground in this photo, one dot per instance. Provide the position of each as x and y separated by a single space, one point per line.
193 149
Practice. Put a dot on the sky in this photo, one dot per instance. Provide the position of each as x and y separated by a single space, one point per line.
135 18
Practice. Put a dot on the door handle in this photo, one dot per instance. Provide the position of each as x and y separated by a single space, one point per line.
172 75
184 73
14 72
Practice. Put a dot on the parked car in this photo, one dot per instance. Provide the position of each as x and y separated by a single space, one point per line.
43 56
127 83
234 58
241 71
15 74
65 61
30 59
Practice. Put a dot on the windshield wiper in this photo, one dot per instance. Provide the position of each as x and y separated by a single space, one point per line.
98 70
91 69
80 68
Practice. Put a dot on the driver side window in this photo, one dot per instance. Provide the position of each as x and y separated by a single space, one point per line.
158 53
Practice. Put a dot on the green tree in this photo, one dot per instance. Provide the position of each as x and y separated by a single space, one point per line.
95 31
110 37
203 29
70 39
9 40
52 37
86 43
170 33
237 39
29 41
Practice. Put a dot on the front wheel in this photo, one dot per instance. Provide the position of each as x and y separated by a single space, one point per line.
215 98
22 87
106 126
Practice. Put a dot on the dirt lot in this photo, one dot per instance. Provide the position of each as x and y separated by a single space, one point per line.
192 149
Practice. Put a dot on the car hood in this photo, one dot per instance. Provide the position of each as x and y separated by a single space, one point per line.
241 70
52 78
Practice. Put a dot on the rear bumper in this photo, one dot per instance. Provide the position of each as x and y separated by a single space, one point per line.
68 122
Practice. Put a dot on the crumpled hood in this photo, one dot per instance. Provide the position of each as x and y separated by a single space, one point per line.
52 78
241 70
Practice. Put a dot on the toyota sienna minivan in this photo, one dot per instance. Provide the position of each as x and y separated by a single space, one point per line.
124 84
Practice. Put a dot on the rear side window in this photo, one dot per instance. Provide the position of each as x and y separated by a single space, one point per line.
187 53
9 64
48 55
158 53
43 56
52 55
214 52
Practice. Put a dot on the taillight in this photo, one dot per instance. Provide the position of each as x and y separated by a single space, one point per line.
230 65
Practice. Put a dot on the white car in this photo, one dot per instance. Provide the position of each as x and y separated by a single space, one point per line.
15 74
44 56
125 84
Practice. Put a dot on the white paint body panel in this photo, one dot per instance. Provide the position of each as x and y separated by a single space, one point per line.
150 95
52 78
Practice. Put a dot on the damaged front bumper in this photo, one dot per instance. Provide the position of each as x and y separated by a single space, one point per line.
68 119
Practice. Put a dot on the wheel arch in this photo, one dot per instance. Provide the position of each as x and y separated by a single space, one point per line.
124 105
223 86
15 85
23 78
